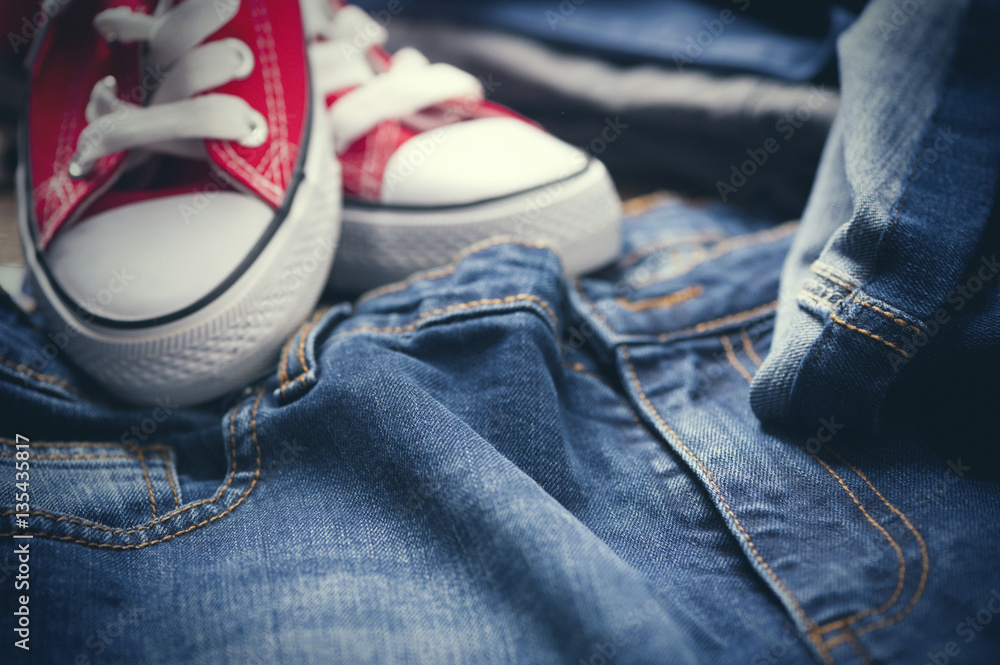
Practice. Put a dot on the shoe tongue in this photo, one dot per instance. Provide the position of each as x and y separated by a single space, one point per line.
278 88
346 49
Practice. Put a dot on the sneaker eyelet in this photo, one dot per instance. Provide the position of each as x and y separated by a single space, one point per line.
76 170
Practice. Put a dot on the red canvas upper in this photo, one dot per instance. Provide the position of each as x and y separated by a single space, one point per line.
364 162
73 57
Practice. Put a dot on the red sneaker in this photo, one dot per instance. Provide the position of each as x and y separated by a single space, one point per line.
430 166
175 198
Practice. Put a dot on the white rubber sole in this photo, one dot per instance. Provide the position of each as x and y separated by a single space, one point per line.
231 340
580 216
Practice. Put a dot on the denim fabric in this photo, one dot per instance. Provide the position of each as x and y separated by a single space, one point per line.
652 124
891 284
729 37
490 464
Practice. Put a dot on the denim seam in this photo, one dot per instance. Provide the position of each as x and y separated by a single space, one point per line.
697 329
727 245
857 647
438 273
715 324
23 369
924 562
170 536
750 351
836 319
826 271
170 479
149 483
889 315
849 635
921 586
156 447
901 578
821 304
580 369
485 302
284 381
283 362
593 306
868 333
821 649
66 457
637 255
99 446
662 302
733 360
632 207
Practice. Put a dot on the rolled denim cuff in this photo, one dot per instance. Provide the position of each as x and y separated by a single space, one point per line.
897 224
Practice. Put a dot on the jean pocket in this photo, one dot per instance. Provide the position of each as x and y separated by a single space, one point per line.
108 484
123 495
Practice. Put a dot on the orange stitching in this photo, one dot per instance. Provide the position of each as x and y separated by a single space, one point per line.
833 625
41 377
901 577
283 364
859 650
698 328
733 360
816 300
732 244
636 255
579 368
868 333
101 527
170 480
723 321
423 275
597 310
889 315
149 483
438 273
450 308
638 204
924 559
746 537
305 333
826 272
668 300
253 484
748 348
301 352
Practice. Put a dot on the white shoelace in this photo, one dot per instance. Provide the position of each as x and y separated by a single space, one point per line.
174 122
410 85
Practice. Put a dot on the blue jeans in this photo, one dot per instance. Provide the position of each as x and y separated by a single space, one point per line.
492 464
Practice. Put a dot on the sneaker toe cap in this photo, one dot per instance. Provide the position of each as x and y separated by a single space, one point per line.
474 161
156 257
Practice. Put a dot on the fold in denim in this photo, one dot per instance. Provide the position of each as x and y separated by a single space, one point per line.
900 225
